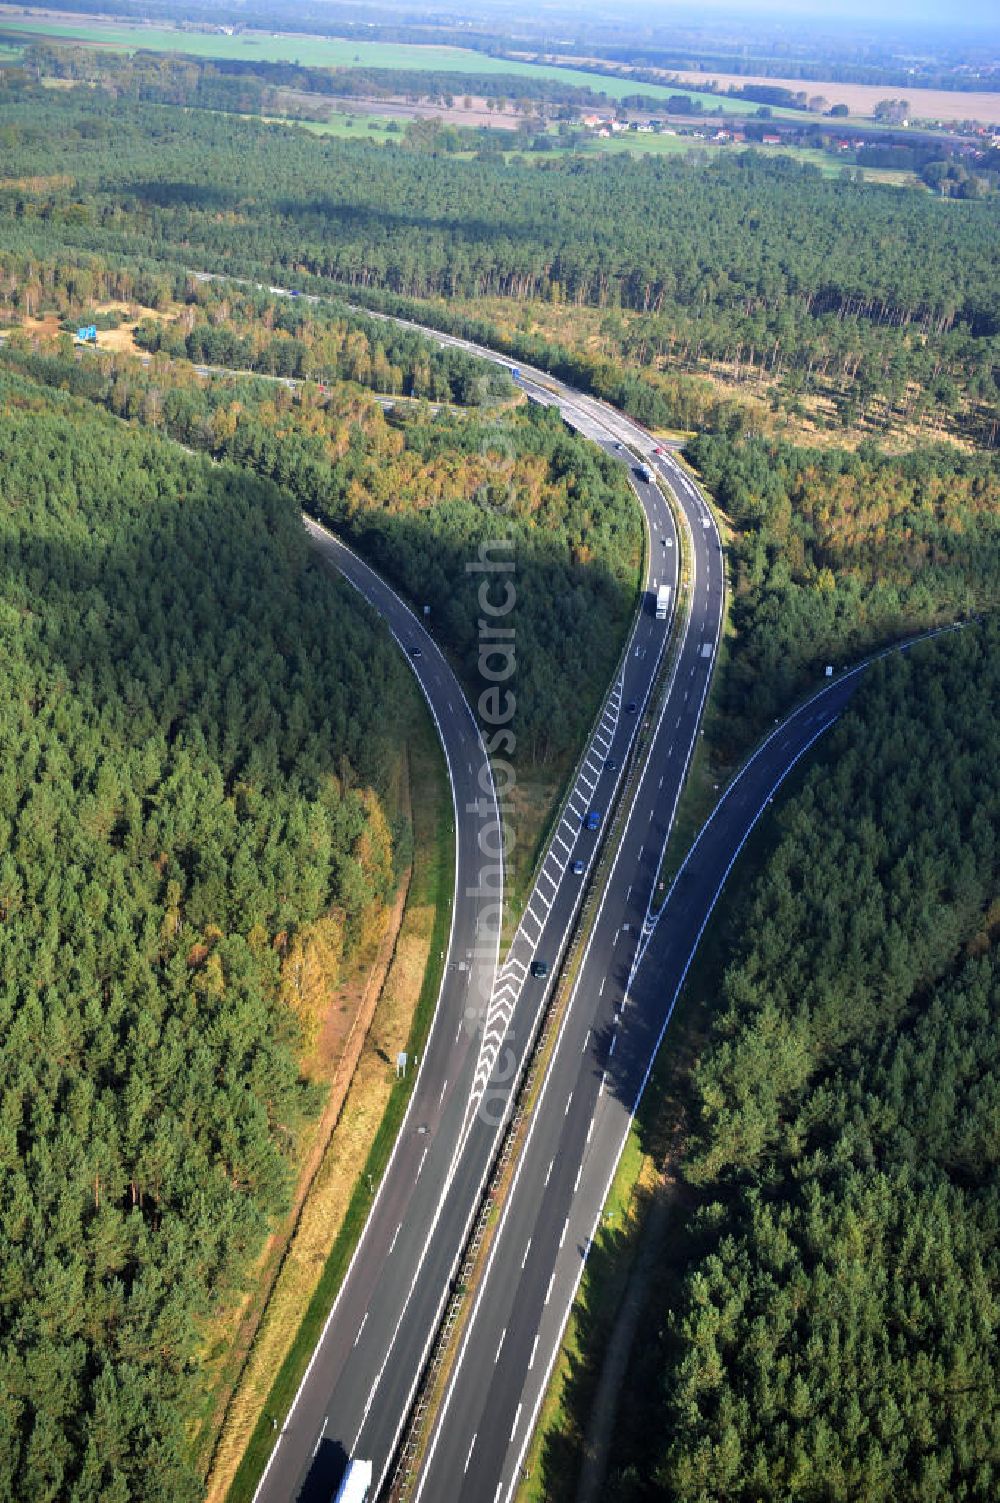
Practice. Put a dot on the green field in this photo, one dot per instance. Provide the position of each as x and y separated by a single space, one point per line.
639 142
348 127
328 52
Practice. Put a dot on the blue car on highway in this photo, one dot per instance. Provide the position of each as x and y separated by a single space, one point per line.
593 820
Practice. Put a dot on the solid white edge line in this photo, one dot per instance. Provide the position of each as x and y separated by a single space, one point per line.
317 527
635 1105
568 1013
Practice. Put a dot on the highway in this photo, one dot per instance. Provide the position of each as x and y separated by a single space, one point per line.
358 1389
621 1008
631 975
623 999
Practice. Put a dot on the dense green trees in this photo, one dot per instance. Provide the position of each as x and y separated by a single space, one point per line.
834 1334
194 724
838 552
768 266
255 331
419 494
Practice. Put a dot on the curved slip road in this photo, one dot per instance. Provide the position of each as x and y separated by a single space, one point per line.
623 1001
390 1242
358 1389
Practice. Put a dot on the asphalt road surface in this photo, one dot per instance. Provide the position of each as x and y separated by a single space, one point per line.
622 1004
359 1386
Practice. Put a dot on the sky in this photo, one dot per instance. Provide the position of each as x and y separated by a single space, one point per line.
968 14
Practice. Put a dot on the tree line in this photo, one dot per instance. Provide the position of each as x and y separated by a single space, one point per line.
198 727
768 266
419 495
837 552
255 331
248 85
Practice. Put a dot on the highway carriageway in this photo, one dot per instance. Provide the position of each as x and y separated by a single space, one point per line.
359 1385
621 1005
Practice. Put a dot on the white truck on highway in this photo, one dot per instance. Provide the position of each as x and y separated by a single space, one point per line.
356 1483
662 602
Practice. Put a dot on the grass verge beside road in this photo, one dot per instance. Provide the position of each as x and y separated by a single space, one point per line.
372 1116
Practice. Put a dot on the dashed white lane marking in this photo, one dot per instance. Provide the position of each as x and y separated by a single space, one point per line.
565 1229
548 1291
443 1089
569 1103
395 1234
614 1040
548 1172
469 1457
364 1322
503 1336
421 1164
534 1349
576 1182
526 1252
513 1428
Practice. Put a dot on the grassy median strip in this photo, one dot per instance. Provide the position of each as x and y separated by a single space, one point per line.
424 935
